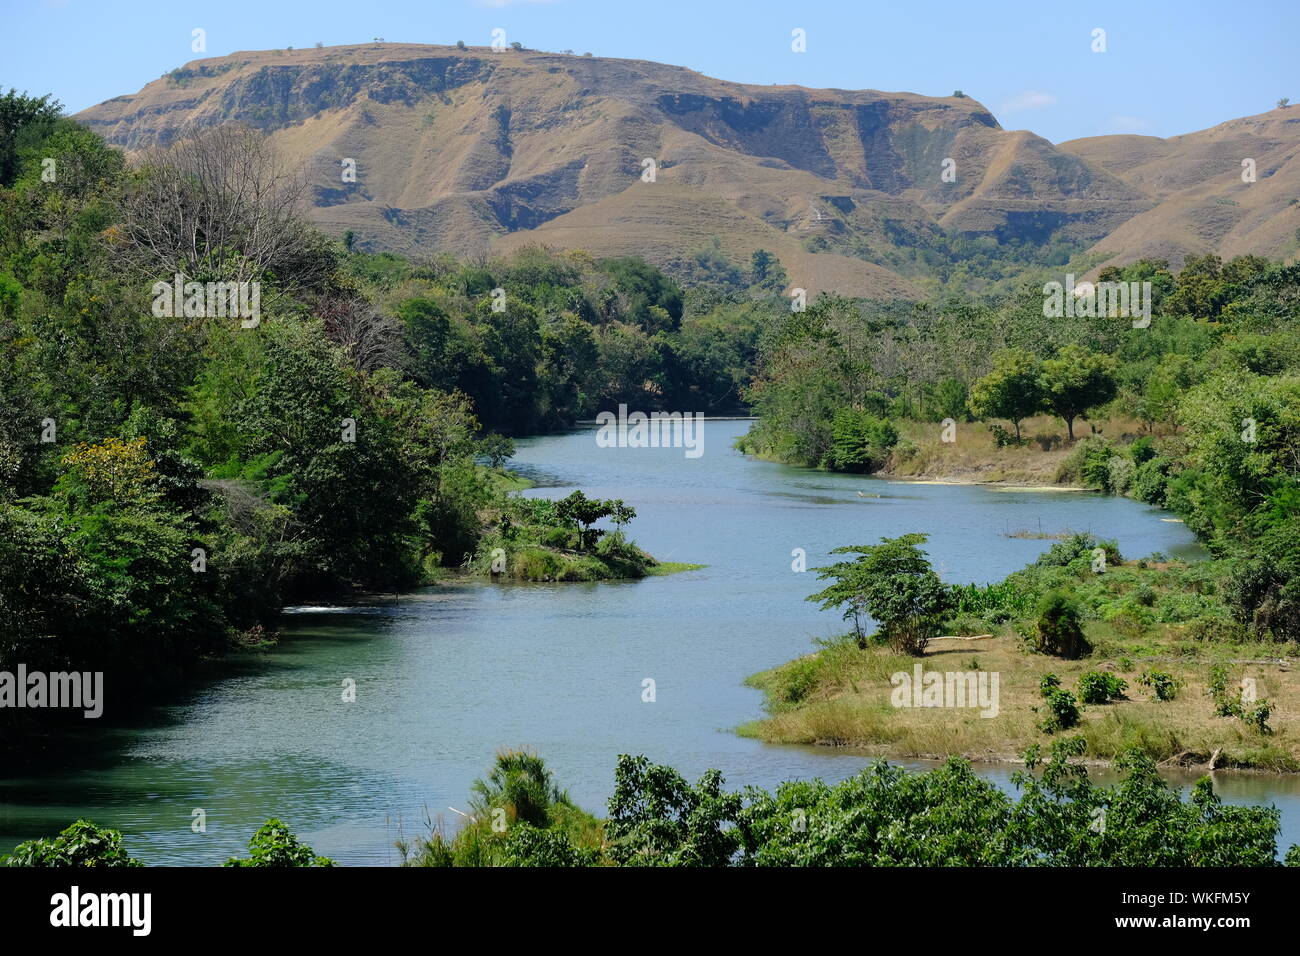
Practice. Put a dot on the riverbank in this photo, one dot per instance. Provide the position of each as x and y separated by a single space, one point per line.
846 696
841 697
967 453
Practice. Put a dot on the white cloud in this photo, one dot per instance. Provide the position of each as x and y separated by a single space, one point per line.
1028 100
1130 124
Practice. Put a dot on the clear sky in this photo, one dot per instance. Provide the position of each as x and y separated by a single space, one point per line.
1169 67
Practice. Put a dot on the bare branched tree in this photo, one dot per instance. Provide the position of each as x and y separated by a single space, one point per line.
223 204
371 339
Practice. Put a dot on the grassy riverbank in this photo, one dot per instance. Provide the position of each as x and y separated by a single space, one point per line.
974 457
1138 617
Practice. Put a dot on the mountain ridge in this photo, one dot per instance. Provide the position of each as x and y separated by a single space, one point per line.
476 152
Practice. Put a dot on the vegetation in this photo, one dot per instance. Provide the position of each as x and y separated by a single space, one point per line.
894 583
81 845
1132 615
171 477
84 844
274 844
882 816
520 818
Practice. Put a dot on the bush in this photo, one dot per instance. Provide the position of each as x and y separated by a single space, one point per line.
528 845
1059 632
1119 474
1062 711
1081 545
1214 628
1257 715
1129 619
1164 686
1150 481
860 442
81 845
1100 687
274 844
1088 464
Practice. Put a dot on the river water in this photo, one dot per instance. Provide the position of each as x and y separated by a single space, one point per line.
446 676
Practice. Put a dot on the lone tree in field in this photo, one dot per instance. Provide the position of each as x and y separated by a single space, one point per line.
1075 381
894 583
1011 391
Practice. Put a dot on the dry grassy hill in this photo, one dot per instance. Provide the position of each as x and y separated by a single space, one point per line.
475 151
1202 204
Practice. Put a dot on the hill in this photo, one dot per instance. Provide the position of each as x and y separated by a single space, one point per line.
1201 203
476 151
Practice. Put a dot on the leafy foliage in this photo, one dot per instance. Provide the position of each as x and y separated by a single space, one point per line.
274 844
81 845
893 582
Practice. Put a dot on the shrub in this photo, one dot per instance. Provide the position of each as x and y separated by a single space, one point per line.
1142 450
1257 714
1164 686
528 845
274 844
1062 711
1081 545
1100 687
1060 632
1214 628
1005 439
1150 481
1130 620
1088 464
81 845
1119 474
860 442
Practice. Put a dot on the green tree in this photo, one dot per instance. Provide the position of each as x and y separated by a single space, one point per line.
1012 390
656 818
497 449
894 583
860 442
23 120
1075 381
583 512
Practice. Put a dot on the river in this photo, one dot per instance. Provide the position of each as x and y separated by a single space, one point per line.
447 675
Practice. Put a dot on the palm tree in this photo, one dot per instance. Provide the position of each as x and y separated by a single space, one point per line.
519 782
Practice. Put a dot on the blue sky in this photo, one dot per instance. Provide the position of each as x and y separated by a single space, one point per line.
1169 67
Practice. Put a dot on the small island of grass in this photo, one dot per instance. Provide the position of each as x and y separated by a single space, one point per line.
537 539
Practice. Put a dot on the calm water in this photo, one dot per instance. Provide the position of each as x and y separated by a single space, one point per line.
448 675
